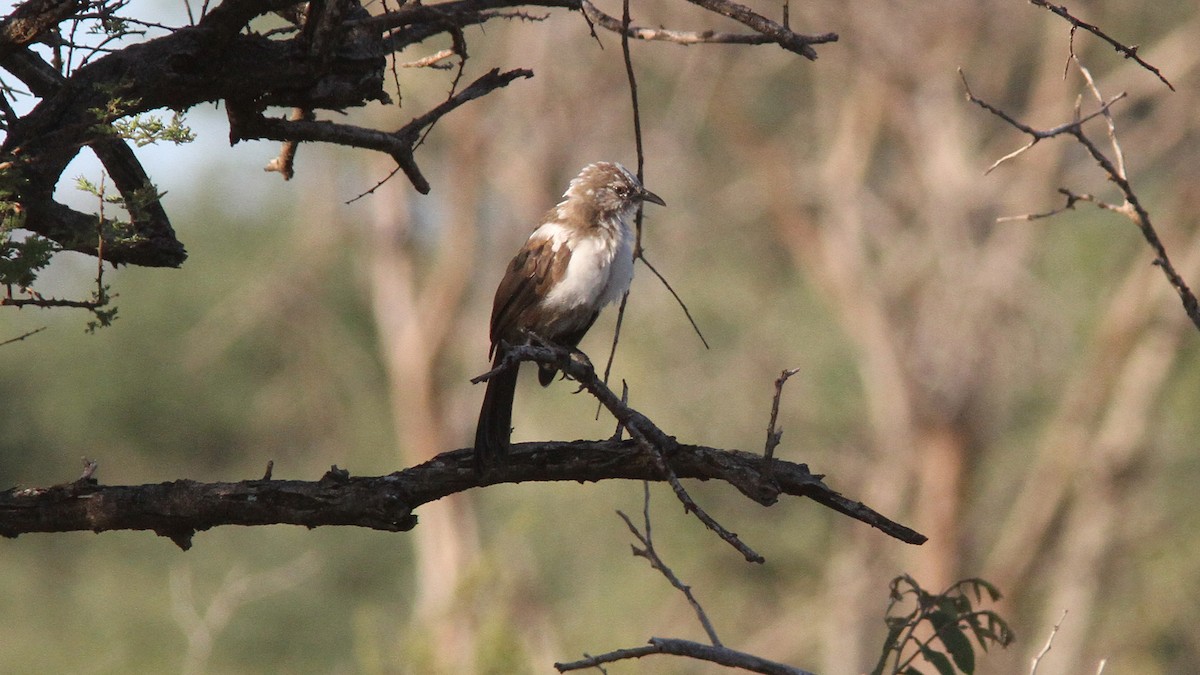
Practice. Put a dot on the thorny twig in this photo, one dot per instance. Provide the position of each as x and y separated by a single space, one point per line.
22 336
1114 169
648 552
1130 52
1046 647
774 435
716 652
1036 134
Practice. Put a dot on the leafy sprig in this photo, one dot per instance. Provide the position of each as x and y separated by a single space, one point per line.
948 619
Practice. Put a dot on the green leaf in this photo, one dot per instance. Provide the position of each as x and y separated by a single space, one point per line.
938 660
956 642
979 585
982 633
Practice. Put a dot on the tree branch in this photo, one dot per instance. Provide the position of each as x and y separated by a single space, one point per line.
30 20
1129 52
148 239
1114 169
696 650
779 34
246 123
335 61
178 509
682 37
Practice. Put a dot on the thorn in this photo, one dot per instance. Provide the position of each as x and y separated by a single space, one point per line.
336 475
89 470
182 538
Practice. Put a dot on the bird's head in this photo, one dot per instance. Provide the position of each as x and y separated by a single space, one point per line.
608 190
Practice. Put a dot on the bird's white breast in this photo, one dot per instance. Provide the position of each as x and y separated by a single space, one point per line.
600 268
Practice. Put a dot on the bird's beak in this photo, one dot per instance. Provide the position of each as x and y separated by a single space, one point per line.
648 196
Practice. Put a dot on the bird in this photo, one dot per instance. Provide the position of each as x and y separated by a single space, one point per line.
576 262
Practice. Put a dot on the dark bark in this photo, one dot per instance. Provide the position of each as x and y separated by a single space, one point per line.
179 509
335 59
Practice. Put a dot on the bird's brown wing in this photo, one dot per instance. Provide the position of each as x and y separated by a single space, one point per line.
526 282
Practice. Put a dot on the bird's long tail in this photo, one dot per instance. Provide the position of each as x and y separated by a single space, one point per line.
495 417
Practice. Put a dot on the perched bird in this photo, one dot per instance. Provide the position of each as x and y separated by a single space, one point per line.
577 261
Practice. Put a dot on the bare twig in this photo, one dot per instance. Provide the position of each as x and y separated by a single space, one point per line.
1115 170
637 115
459 46
686 312
1132 208
1118 153
690 505
647 436
637 140
378 184
648 552
285 162
619 432
247 123
1036 134
23 336
720 655
1046 647
1072 198
682 37
612 350
781 35
38 300
774 435
1130 52
434 60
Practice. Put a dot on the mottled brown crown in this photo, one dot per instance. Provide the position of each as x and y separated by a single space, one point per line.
603 191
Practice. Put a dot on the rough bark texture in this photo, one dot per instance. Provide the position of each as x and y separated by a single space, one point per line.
181 508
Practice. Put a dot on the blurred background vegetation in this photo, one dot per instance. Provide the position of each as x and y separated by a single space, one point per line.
1023 392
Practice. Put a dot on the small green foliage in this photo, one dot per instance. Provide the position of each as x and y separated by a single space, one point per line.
103 317
949 615
117 118
84 185
20 261
133 202
115 108
146 129
111 26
